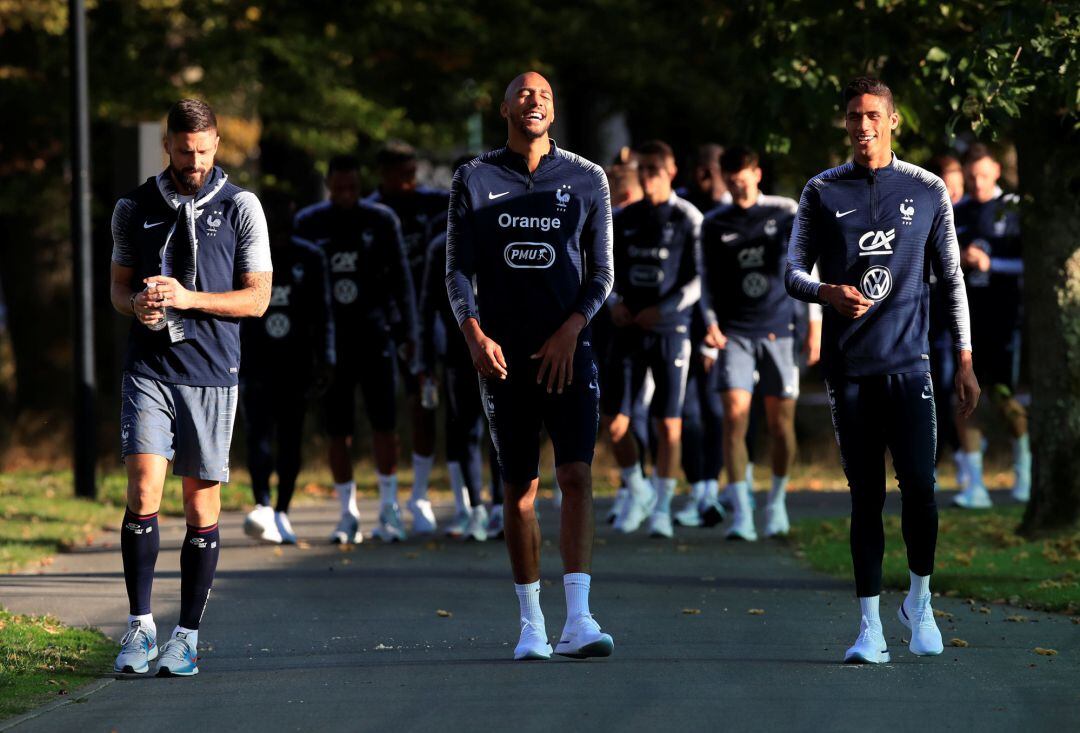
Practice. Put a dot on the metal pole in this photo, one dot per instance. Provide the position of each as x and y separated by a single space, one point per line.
85 381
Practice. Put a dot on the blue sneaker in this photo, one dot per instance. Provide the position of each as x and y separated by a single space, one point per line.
137 649
178 657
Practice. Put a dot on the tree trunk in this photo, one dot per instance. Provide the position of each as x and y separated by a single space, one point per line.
1049 161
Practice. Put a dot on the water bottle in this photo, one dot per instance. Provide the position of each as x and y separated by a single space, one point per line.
159 324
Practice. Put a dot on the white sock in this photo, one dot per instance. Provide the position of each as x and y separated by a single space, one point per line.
974 460
576 586
529 602
1022 451
457 486
869 608
146 621
920 586
712 489
779 489
421 467
698 489
665 490
191 634
387 488
963 473
750 473
636 482
346 494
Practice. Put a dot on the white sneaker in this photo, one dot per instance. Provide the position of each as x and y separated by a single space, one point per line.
581 638
925 635
776 519
870 647
137 649
458 525
495 523
742 524
689 516
621 497
533 643
423 518
975 496
477 527
347 531
660 525
635 511
284 528
390 527
259 525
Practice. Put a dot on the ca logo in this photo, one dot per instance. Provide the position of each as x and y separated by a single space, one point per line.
876 283
876 243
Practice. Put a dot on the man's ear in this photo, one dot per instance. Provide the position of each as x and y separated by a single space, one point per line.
894 120
504 110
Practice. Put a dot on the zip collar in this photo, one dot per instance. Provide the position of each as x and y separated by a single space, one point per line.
213 185
865 172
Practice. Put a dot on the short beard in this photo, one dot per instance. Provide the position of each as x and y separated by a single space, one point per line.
189 183
531 134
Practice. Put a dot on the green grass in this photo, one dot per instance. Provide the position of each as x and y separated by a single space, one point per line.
40 659
979 555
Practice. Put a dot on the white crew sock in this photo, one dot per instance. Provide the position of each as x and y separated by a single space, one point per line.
387 488
920 586
529 602
750 474
635 481
1022 452
963 473
778 490
698 489
346 494
146 621
577 586
974 461
191 634
869 608
457 486
712 490
665 491
421 467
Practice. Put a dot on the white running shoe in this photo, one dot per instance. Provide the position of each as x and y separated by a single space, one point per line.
660 525
478 521
137 649
284 528
776 519
582 638
925 635
742 524
178 657
533 642
689 516
390 527
621 497
259 525
457 526
635 511
495 523
347 531
870 647
423 518
975 496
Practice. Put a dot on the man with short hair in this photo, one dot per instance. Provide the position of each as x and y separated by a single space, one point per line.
706 189
875 226
182 242
657 258
751 320
988 227
528 264
369 280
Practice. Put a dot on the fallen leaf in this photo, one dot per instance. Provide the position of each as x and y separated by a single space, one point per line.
942 614
984 609
1076 619
756 611
278 552
411 555
303 545
1045 652
1017 619
346 548
443 613
958 643
691 611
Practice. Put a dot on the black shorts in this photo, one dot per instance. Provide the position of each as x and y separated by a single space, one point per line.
374 373
632 353
517 408
996 358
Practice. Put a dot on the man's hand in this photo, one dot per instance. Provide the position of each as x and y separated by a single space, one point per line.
714 337
975 258
845 300
146 313
967 386
621 315
648 318
557 354
168 292
487 356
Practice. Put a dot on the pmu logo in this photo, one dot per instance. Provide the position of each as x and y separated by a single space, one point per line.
645 276
278 325
907 211
876 243
876 283
755 285
529 255
562 197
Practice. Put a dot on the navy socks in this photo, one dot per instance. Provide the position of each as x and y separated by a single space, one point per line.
198 561
139 544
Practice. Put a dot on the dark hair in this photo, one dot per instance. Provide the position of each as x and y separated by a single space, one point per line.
868 85
656 147
191 115
942 163
738 158
343 164
626 157
977 152
395 152
707 155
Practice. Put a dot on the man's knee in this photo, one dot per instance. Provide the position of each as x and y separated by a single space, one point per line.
669 429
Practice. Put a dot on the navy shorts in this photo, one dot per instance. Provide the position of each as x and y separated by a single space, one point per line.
375 374
517 408
766 363
632 354
190 426
996 359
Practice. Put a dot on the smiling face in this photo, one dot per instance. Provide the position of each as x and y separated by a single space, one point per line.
191 157
529 106
870 122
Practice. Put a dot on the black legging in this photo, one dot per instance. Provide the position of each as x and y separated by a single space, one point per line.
273 407
703 415
465 426
870 414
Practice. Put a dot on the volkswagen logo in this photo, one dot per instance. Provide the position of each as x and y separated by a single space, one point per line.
876 283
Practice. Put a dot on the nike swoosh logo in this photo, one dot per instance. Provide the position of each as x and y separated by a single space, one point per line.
148 225
728 237
496 195
926 396
841 216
